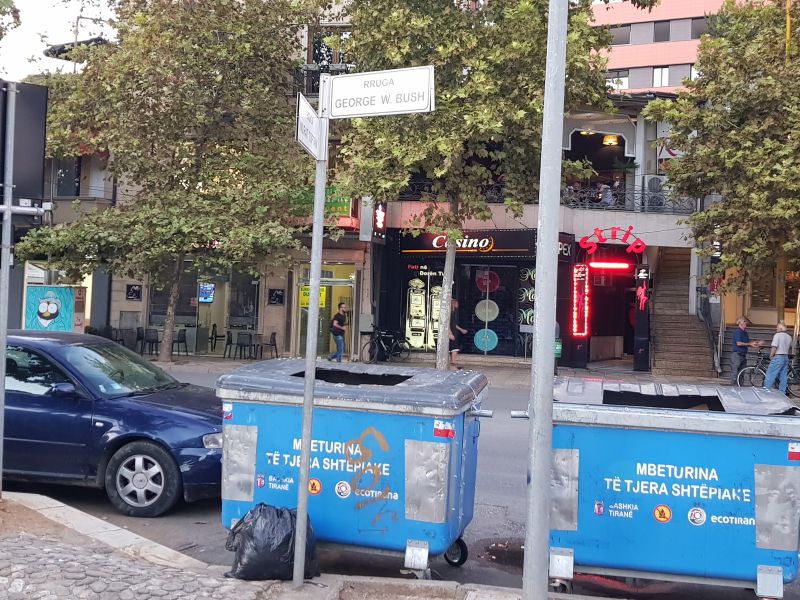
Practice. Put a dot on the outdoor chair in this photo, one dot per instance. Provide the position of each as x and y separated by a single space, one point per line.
243 340
215 337
228 350
151 341
272 345
180 338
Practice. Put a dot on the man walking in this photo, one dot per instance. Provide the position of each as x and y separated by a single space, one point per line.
338 329
741 342
779 359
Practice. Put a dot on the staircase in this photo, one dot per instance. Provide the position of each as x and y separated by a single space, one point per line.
680 343
755 333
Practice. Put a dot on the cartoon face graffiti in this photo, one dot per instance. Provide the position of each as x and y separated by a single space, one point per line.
48 310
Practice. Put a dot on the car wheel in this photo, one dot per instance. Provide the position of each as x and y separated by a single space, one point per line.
142 480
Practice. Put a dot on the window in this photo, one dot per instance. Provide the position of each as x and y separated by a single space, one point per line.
699 27
693 73
660 76
762 290
29 373
67 178
617 80
792 289
661 31
621 34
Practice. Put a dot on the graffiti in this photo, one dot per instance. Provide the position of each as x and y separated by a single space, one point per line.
357 452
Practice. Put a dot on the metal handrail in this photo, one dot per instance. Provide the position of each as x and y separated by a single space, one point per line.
629 199
704 314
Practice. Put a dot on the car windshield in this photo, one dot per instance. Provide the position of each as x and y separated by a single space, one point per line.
113 371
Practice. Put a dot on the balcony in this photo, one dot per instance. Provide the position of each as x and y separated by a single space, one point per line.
663 201
423 191
305 78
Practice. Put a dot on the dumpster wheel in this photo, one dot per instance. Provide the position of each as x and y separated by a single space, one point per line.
457 554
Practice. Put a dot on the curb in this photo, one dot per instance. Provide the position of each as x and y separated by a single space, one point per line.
105 532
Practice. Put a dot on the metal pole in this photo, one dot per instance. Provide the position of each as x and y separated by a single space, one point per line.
5 255
537 538
320 182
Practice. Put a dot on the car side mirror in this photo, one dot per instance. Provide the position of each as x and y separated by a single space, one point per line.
63 390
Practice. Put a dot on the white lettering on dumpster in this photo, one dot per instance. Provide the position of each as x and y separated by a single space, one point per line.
701 491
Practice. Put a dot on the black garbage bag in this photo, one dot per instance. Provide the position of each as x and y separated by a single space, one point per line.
263 541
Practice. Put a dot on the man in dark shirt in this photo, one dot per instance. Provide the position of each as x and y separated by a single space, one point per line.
741 342
338 330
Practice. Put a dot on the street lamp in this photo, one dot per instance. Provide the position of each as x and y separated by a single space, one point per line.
78 19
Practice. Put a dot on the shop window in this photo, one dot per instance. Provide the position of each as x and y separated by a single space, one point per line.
186 310
661 31
699 27
660 76
762 293
792 289
243 311
620 35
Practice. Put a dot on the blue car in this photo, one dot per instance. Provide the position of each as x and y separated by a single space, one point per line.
82 410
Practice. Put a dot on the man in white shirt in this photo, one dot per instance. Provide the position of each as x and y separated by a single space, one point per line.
779 359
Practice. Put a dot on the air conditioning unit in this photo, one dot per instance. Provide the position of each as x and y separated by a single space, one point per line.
655 190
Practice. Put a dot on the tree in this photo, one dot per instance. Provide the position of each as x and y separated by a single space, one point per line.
737 124
9 17
193 109
485 134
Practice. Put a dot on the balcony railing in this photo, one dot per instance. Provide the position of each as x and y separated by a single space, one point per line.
305 78
630 200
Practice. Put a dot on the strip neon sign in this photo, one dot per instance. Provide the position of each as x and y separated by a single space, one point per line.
580 300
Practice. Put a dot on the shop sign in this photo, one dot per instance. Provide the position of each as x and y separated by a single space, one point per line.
305 295
379 220
490 242
614 234
580 300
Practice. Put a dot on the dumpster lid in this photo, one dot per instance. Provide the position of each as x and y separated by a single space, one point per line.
717 398
389 385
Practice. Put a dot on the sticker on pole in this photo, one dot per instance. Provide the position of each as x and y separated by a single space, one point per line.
444 429
794 451
662 513
394 92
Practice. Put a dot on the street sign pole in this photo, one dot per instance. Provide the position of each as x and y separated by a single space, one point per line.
320 182
535 574
401 91
5 255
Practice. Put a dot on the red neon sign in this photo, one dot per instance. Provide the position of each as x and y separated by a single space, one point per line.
580 301
635 244
616 266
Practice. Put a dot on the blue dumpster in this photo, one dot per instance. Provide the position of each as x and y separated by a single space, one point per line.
394 451
691 493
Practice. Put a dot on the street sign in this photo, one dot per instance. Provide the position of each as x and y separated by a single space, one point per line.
307 131
394 92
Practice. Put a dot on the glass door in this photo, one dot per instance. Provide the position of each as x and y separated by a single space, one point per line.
332 293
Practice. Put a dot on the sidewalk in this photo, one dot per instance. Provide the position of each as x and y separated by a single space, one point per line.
50 551
508 373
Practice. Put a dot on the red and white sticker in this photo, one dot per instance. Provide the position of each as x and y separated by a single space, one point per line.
794 451
444 429
227 411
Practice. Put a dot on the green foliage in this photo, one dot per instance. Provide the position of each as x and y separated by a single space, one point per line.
738 124
9 17
490 65
193 108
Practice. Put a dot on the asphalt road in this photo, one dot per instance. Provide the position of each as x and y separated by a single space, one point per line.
494 538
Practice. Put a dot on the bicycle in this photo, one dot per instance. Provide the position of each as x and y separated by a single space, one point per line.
754 375
384 345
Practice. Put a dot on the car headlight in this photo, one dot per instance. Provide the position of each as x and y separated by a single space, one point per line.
212 440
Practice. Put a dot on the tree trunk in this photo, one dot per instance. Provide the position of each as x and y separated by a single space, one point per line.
443 343
780 289
165 354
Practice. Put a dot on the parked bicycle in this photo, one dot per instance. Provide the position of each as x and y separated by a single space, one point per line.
385 345
754 375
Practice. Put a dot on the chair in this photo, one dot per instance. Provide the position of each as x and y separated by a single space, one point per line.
226 353
179 339
151 340
214 337
272 345
243 340
139 339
